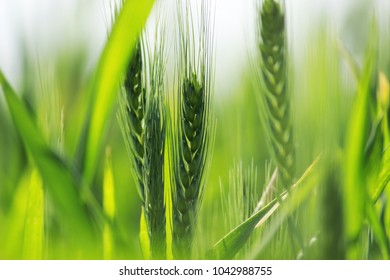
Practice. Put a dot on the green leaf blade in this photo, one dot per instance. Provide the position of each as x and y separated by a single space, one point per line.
34 223
231 243
111 66
58 178
355 190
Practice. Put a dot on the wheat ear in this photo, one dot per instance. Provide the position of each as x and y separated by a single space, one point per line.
155 130
135 101
143 125
273 60
272 47
194 128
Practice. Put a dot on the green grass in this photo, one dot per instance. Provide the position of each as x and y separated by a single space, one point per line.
193 189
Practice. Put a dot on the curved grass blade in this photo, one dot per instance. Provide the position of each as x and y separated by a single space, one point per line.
112 65
11 240
384 170
58 178
308 181
229 245
109 208
168 190
34 223
384 175
144 236
378 230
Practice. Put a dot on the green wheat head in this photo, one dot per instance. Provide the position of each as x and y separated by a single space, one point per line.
143 125
135 102
193 127
155 120
276 99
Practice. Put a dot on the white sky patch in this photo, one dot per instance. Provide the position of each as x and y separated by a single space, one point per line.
49 26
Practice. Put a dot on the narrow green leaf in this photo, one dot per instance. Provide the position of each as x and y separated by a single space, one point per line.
109 207
354 191
308 181
110 70
34 223
57 176
384 175
11 243
351 62
231 243
144 236
168 196
378 230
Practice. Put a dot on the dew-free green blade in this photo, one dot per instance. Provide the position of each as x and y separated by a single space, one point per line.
109 208
33 243
144 236
384 174
297 196
231 243
56 174
109 72
378 230
354 190
11 241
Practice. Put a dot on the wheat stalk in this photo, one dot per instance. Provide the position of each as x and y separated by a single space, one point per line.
193 127
272 47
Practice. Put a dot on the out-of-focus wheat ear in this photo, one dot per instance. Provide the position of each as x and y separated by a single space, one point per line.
275 98
272 47
194 125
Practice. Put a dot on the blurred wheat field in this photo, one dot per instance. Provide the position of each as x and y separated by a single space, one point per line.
69 191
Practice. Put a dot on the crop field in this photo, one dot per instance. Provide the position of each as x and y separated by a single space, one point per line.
159 148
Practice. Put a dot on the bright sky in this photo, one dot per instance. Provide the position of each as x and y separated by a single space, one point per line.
46 25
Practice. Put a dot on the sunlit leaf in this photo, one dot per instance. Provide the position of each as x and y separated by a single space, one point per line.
144 236
12 237
378 231
354 191
384 174
33 244
110 69
58 178
109 207
231 243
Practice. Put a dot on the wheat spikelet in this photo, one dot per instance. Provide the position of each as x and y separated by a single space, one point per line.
276 100
194 127
143 125
274 82
134 115
154 141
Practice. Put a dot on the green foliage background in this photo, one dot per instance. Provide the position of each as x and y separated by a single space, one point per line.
55 128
